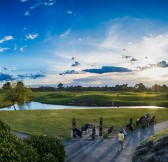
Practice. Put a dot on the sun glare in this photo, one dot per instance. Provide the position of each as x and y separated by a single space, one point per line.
154 73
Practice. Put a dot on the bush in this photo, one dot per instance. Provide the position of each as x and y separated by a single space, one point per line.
13 149
105 135
34 148
4 126
49 148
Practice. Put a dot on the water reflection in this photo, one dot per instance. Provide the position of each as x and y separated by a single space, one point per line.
41 106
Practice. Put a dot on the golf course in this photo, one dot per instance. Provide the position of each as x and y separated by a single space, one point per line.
58 122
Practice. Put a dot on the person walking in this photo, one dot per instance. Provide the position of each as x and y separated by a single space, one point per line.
121 140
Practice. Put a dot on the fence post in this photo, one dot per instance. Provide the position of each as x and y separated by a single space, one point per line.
101 126
73 127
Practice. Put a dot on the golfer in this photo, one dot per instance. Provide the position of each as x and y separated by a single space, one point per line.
121 140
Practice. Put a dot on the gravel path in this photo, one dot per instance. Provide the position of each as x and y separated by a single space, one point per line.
106 150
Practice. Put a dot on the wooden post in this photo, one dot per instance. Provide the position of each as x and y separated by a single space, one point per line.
101 126
73 127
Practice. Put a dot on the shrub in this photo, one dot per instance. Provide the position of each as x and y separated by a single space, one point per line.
105 135
13 149
49 148
4 126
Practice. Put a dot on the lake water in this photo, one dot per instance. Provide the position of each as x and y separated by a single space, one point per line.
41 106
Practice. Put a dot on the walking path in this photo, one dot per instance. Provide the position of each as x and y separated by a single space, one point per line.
106 150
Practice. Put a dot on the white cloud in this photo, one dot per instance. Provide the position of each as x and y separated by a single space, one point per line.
49 2
15 47
6 38
27 13
70 13
23 0
108 51
66 33
22 49
40 3
3 49
32 36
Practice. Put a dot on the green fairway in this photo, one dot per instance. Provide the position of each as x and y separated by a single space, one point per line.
58 122
157 136
99 98
103 98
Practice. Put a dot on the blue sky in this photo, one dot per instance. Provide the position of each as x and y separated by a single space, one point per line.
84 42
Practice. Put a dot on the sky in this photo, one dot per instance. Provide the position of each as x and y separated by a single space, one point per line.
84 42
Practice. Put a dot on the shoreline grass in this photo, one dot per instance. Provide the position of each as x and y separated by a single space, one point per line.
158 135
98 98
103 98
58 122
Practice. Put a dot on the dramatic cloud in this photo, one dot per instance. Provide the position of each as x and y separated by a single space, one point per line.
5 68
31 76
73 58
69 72
107 69
32 36
75 64
126 57
6 38
162 64
133 59
3 49
6 77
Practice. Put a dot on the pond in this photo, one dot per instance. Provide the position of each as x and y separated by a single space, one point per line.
42 106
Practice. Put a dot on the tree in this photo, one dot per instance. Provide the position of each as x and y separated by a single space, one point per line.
79 89
140 87
156 88
164 88
6 86
60 87
17 94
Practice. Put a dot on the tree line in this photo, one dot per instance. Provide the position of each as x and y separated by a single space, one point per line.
140 87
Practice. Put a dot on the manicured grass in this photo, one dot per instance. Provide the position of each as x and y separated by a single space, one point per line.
157 136
99 98
58 122
104 98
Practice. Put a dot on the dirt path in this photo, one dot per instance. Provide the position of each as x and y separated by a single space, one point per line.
103 150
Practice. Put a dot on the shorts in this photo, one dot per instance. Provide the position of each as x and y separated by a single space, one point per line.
121 141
